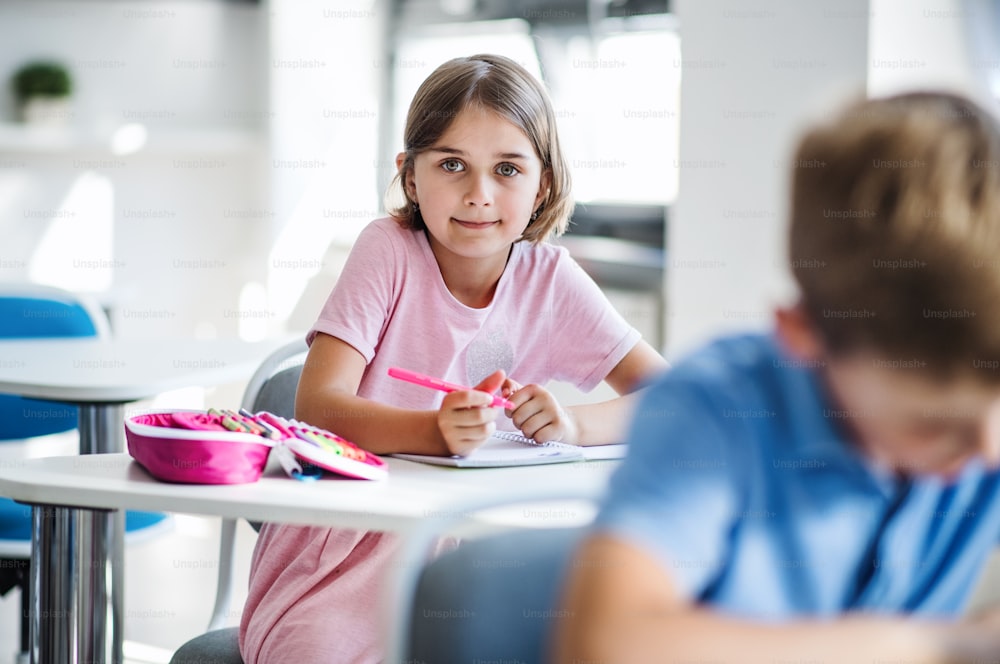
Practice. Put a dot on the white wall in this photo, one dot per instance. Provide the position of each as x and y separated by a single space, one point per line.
172 63
929 43
751 74
325 68
153 231
261 156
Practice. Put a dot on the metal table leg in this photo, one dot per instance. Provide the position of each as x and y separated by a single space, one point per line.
74 616
101 428
77 556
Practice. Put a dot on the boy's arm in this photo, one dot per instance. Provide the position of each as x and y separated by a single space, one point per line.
327 397
623 607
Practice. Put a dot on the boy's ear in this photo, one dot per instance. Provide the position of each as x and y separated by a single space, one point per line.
797 333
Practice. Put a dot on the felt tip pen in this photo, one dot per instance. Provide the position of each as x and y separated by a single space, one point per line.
443 386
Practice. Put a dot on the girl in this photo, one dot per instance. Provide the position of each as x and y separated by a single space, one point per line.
458 284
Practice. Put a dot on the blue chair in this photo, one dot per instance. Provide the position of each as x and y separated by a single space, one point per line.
32 311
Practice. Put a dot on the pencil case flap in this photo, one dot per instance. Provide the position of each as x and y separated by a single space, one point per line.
321 449
193 447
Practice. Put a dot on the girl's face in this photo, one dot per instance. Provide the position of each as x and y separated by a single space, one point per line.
477 186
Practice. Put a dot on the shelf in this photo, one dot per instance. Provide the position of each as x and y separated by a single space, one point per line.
127 141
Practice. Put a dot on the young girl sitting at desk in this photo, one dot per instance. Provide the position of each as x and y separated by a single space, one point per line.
458 284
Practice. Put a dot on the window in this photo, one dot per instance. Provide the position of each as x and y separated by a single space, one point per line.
614 83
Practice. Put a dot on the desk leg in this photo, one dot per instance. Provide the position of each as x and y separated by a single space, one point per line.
101 428
75 586
100 538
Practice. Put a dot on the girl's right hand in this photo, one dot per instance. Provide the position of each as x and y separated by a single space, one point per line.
466 418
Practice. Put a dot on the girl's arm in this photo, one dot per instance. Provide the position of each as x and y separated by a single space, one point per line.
327 397
538 415
623 607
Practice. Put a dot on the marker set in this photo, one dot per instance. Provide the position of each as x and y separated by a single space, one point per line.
245 422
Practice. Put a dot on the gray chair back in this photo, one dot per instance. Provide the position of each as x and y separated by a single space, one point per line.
277 395
493 599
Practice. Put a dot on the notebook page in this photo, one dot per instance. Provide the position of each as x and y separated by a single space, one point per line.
590 452
505 448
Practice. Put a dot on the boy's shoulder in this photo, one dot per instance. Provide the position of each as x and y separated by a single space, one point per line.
751 388
735 359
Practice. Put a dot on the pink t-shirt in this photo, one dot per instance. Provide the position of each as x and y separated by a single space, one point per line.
548 321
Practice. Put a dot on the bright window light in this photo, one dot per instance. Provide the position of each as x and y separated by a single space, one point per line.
616 98
421 52
618 104
77 250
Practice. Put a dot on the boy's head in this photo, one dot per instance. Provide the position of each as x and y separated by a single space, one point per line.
895 232
497 84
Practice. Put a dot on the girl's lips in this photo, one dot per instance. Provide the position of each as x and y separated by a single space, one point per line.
474 224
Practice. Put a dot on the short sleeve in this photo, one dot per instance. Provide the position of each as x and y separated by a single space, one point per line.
676 494
361 301
601 337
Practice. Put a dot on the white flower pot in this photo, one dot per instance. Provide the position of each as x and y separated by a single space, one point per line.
47 111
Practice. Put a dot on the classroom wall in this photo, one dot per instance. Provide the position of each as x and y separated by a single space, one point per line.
753 74
255 156
226 198
326 72
147 196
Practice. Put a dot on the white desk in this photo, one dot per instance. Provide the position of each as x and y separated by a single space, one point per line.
100 377
67 490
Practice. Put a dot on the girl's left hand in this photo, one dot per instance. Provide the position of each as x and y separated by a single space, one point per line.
538 415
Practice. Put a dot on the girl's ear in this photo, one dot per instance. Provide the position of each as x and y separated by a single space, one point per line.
797 333
544 186
406 177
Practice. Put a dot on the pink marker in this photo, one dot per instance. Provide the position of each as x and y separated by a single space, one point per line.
444 386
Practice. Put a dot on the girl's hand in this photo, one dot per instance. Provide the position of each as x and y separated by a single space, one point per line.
538 415
466 419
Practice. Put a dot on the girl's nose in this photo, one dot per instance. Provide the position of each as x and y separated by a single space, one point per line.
480 192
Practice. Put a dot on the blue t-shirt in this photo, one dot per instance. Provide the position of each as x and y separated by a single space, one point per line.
739 480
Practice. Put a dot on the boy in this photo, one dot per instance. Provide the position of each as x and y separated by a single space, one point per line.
829 492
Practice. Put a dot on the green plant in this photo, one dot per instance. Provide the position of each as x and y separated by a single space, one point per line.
42 79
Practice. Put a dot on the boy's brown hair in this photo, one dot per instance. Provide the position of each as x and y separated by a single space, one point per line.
895 232
500 85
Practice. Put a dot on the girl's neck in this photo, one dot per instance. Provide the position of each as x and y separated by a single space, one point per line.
471 281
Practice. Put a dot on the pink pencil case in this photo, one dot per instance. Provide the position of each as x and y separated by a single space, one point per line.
194 447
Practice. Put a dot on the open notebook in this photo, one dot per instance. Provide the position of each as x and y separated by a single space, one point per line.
506 448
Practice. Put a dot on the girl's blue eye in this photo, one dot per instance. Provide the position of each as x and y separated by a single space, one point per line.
452 165
507 170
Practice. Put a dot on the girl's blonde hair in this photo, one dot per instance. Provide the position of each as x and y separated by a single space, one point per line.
500 85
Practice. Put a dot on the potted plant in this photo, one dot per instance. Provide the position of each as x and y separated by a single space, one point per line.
43 90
